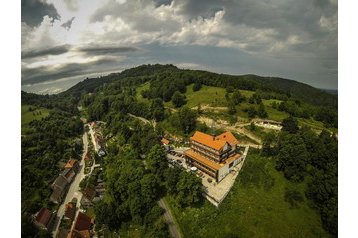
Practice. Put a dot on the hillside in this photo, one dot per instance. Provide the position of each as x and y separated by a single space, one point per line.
161 73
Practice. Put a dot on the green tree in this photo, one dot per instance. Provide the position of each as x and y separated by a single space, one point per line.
178 99
290 125
196 87
292 157
237 98
251 112
172 176
157 109
184 120
261 112
231 108
157 161
189 189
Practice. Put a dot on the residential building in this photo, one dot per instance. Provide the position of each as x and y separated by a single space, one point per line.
72 164
82 227
44 219
213 155
70 211
88 195
58 189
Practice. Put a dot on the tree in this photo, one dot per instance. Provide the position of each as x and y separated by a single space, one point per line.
189 189
251 112
149 189
230 89
172 176
157 109
160 230
178 99
290 125
196 87
292 157
231 108
237 98
268 140
261 111
157 161
184 120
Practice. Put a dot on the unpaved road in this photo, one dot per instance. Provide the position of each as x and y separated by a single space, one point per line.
173 229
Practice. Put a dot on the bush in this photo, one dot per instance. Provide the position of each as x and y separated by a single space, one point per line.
196 87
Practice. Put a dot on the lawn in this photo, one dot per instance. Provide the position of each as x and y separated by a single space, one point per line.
28 115
255 207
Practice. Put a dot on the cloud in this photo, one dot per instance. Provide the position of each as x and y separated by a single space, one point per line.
293 39
67 25
72 5
45 73
105 50
57 50
33 11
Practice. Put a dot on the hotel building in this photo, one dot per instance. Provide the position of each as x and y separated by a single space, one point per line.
213 155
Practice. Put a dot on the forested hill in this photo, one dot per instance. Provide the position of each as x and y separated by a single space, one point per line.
170 76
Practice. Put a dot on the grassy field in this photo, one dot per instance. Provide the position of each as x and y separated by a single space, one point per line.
140 89
27 116
255 207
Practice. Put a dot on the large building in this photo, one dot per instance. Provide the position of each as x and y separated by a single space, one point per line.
213 155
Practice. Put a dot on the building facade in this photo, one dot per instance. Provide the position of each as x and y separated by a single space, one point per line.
213 155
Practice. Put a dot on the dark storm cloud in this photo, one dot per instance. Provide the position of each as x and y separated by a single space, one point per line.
158 3
57 50
67 25
33 11
107 50
46 73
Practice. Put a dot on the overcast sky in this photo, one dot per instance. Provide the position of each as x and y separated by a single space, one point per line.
65 41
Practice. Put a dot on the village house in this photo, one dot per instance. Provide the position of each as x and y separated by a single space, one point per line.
60 185
70 211
89 194
44 219
214 155
72 164
82 227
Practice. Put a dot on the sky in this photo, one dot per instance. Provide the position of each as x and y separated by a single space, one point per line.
65 41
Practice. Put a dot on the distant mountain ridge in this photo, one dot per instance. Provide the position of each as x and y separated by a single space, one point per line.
149 72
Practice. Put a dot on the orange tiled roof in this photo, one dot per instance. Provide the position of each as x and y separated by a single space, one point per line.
165 141
70 163
208 140
228 137
202 159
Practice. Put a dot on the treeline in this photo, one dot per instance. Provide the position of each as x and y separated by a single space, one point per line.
64 103
302 155
52 140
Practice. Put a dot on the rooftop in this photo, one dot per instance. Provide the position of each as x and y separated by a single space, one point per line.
43 216
165 141
83 222
70 210
208 140
71 163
